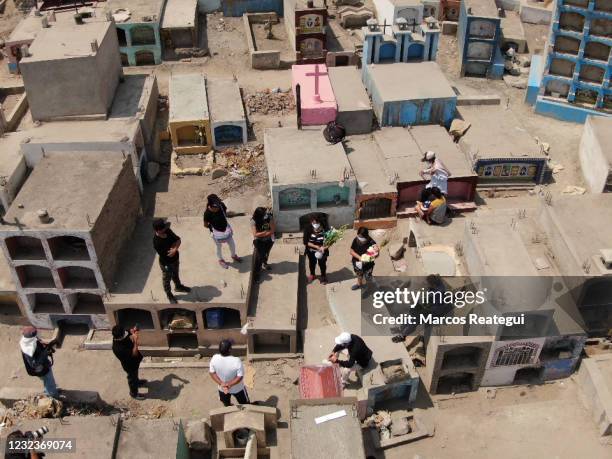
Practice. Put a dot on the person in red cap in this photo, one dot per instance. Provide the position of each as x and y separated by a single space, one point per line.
38 359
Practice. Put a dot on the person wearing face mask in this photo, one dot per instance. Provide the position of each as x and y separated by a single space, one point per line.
316 251
359 247
215 219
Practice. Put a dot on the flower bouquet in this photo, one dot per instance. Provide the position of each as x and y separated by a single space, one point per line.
370 255
333 235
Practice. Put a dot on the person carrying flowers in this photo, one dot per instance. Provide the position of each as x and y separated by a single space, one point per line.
315 249
363 253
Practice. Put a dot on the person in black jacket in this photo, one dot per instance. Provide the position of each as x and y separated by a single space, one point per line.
262 227
125 348
38 360
315 249
359 354
167 244
361 244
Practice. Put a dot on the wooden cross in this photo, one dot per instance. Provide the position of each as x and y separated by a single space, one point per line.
316 74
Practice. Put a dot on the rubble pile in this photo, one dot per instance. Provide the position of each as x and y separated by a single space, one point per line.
270 102
40 406
131 409
240 167
185 53
381 421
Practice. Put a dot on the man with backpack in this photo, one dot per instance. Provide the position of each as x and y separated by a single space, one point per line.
38 359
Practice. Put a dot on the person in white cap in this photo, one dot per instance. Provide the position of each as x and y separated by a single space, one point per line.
359 354
438 174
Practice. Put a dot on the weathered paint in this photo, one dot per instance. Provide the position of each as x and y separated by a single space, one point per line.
236 8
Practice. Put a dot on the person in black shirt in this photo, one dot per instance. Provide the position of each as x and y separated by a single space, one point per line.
359 247
263 227
215 219
359 354
166 244
125 348
315 250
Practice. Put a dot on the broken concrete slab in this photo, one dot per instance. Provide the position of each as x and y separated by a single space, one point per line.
198 435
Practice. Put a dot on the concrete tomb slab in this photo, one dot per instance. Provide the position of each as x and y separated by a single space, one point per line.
410 94
216 307
228 121
342 435
180 23
354 109
376 194
306 175
401 153
189 119
318 102
273 329
502 152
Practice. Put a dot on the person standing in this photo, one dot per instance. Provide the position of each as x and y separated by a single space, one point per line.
358 352
167 244
438 175
359 247
38 359
315 249
263 227
125 348
215 219
228 372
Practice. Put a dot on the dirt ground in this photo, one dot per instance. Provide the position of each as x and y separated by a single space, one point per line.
539 421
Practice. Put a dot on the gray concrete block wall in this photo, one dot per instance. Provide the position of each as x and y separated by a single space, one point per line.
74 87
108 64
56 266
436 351
116 222
147 123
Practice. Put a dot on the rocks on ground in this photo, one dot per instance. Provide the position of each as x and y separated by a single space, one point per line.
270 102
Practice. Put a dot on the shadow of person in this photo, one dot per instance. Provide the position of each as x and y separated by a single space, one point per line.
164 389
200 293
341 275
